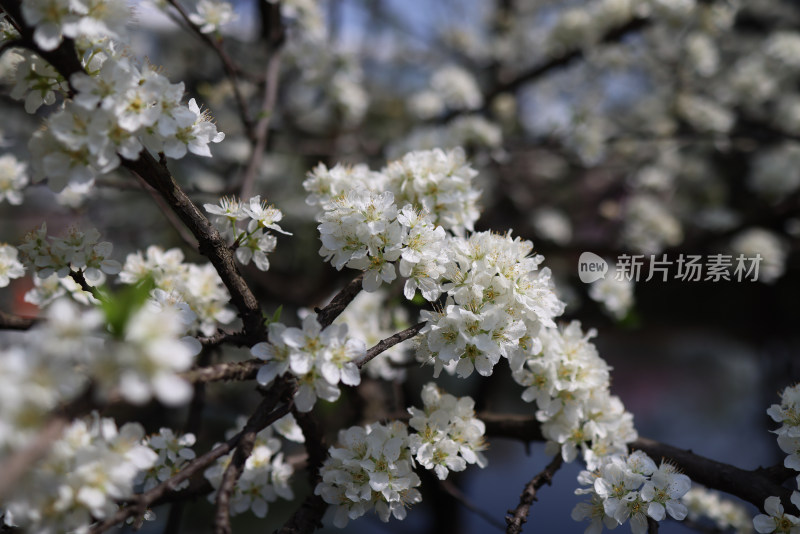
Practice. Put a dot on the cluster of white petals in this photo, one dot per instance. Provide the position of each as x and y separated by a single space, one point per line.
56 19
118 110
448 435
631 488
265 476
153 351
45 291
174 452
37 82
570 383
78 252
371 468
13 179
769 246
498 300
198 286
725 513
649 225
788 414
254 242
614 293
319 359
45 369
91 467
211 15
10 266
436 182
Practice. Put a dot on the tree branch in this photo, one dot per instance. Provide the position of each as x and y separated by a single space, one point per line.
15 322
264 415
222 519
261 131
562 60
65 60
308 517
211 243
226 371
520 514
329 313
390 342
453 490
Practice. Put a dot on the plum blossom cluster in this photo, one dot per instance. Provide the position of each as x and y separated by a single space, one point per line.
788 414
56 19
198 286
152 352
363 227
772 248
10 266
119 108
436 182
319 359
614 293
569 382
77 252
265 476
211 15
46 370
13 179
45 291
54 362
451 88
448 435
92 466
725 513
174 452
631 488
37 82
498 301
254 242
370 469
372 466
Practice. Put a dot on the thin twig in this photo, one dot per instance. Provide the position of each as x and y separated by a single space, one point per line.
261 131
226 371
15 322
465 501
652 526
339 302
239 339
222 519
179 227
227 63
562 60
390 342
210 243
263 416
520 514
79 279
308 517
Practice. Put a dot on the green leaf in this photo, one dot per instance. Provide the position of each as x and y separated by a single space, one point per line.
275 316
119 306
